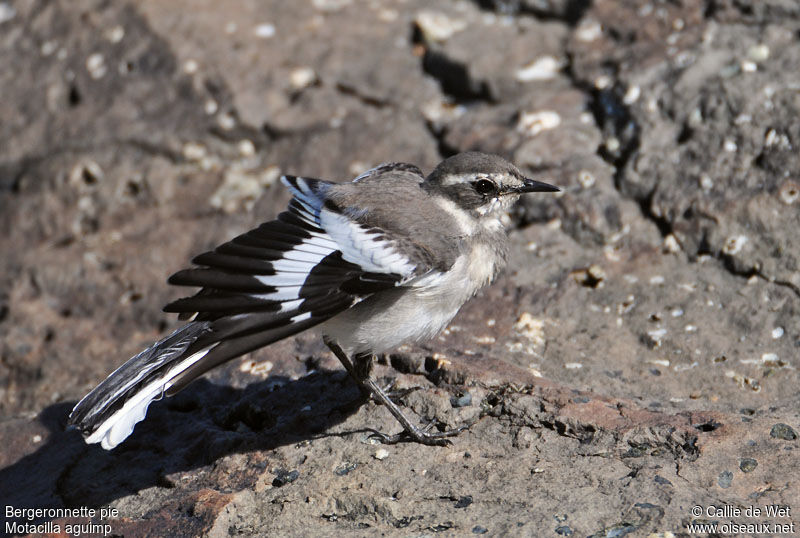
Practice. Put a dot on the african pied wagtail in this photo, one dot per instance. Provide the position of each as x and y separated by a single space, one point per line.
384 260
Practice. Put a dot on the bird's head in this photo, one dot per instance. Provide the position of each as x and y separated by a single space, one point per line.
481 184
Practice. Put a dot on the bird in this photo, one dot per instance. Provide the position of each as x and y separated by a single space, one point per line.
384 260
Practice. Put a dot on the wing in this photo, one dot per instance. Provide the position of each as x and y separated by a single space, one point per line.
283 277
287 275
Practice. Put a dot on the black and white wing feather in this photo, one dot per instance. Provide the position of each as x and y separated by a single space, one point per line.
283 277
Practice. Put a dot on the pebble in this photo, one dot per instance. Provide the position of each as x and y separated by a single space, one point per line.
783 431
758 53
190 66
734 244
706 183
115 34
437 26
302 77
284 477
246 148
345 469
330 5
193 151
533 123
543 68
777 332
7 12
586 179
265 30
632 95
226 121
671 244
96 65
381 454
588 30
748 465
789 192
464 400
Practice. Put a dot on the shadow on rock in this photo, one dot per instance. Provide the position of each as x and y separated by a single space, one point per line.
190 430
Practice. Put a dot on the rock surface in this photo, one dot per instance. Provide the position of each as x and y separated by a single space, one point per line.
638 359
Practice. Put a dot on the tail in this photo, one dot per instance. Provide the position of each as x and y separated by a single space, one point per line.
108 414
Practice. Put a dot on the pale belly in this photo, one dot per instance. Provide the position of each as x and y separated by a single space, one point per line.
409 314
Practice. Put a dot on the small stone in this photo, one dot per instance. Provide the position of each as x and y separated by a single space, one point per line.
284 477
190 66
330 5
632 95
477 529
725 479
265 30
464 501
533 123
777 332
7 12
749 67
96 65
748 465
210 107
591 277
464 400
734 244
193 151
381 454
345 468
115 34
543 68
758 53
49 47
588 30
226 121
564 530
246 148
436 26
302 77
783 431
706 183
586 179
671 244
655 337
789 192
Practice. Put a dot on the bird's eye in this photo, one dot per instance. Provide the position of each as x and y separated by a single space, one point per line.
485 187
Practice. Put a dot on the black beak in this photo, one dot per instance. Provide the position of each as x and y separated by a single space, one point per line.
531 185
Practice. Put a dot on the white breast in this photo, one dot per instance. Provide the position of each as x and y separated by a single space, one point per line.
415 312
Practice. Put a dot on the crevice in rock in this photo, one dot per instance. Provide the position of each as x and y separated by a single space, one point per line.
440 135
454 78
368 100
571 12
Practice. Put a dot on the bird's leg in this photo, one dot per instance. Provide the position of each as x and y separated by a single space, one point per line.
348 365
360 370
